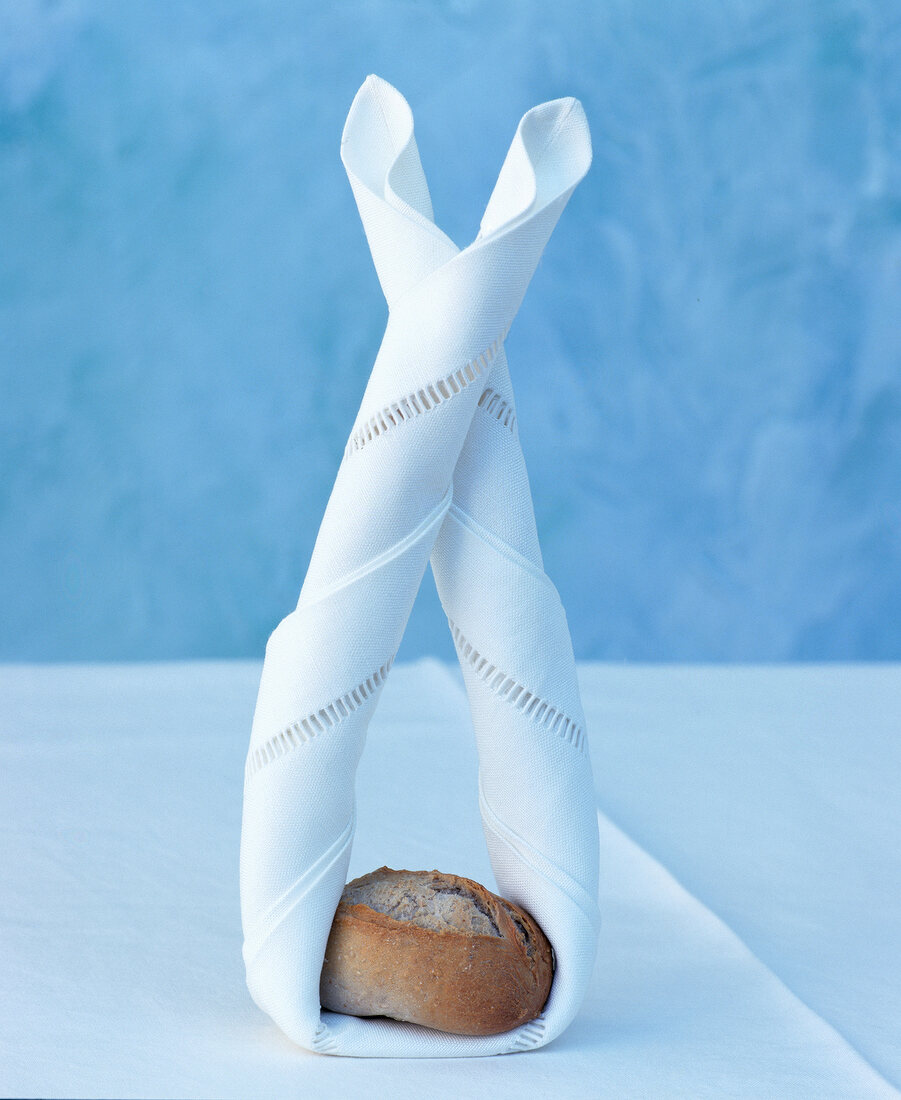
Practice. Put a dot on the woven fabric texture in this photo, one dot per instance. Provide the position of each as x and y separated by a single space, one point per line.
432 469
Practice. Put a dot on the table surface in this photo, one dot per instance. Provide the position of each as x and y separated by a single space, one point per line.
750 883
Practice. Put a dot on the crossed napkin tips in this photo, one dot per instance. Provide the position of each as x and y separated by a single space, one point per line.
433 470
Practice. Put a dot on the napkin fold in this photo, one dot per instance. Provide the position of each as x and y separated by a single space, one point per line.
432 468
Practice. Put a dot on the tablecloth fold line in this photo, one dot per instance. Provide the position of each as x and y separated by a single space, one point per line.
838 1038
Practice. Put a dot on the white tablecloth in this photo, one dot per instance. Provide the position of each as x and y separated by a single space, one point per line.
750 883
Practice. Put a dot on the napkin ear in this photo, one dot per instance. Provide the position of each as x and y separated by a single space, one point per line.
380 155
549 154
379 148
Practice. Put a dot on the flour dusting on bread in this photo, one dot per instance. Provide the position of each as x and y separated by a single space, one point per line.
424 899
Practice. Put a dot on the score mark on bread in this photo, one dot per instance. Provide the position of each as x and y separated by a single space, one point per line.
435 949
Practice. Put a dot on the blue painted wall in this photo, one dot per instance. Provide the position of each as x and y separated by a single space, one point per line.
708 362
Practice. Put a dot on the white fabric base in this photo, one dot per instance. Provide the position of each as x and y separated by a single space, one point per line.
121 970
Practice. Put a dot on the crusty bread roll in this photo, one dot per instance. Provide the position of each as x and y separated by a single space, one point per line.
437 950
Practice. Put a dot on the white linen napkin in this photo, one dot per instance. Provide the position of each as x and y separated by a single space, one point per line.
427 409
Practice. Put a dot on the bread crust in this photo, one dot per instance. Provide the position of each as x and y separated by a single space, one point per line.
431 966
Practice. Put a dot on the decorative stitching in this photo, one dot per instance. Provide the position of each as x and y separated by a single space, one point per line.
517 695
305 729
424 400
492 403
529 1035
323 1040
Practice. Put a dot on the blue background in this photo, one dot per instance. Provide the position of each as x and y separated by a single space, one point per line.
707 364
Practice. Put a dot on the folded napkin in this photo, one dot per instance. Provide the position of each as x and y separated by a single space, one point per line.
432 468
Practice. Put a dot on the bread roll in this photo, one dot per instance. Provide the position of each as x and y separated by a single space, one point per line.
437 950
